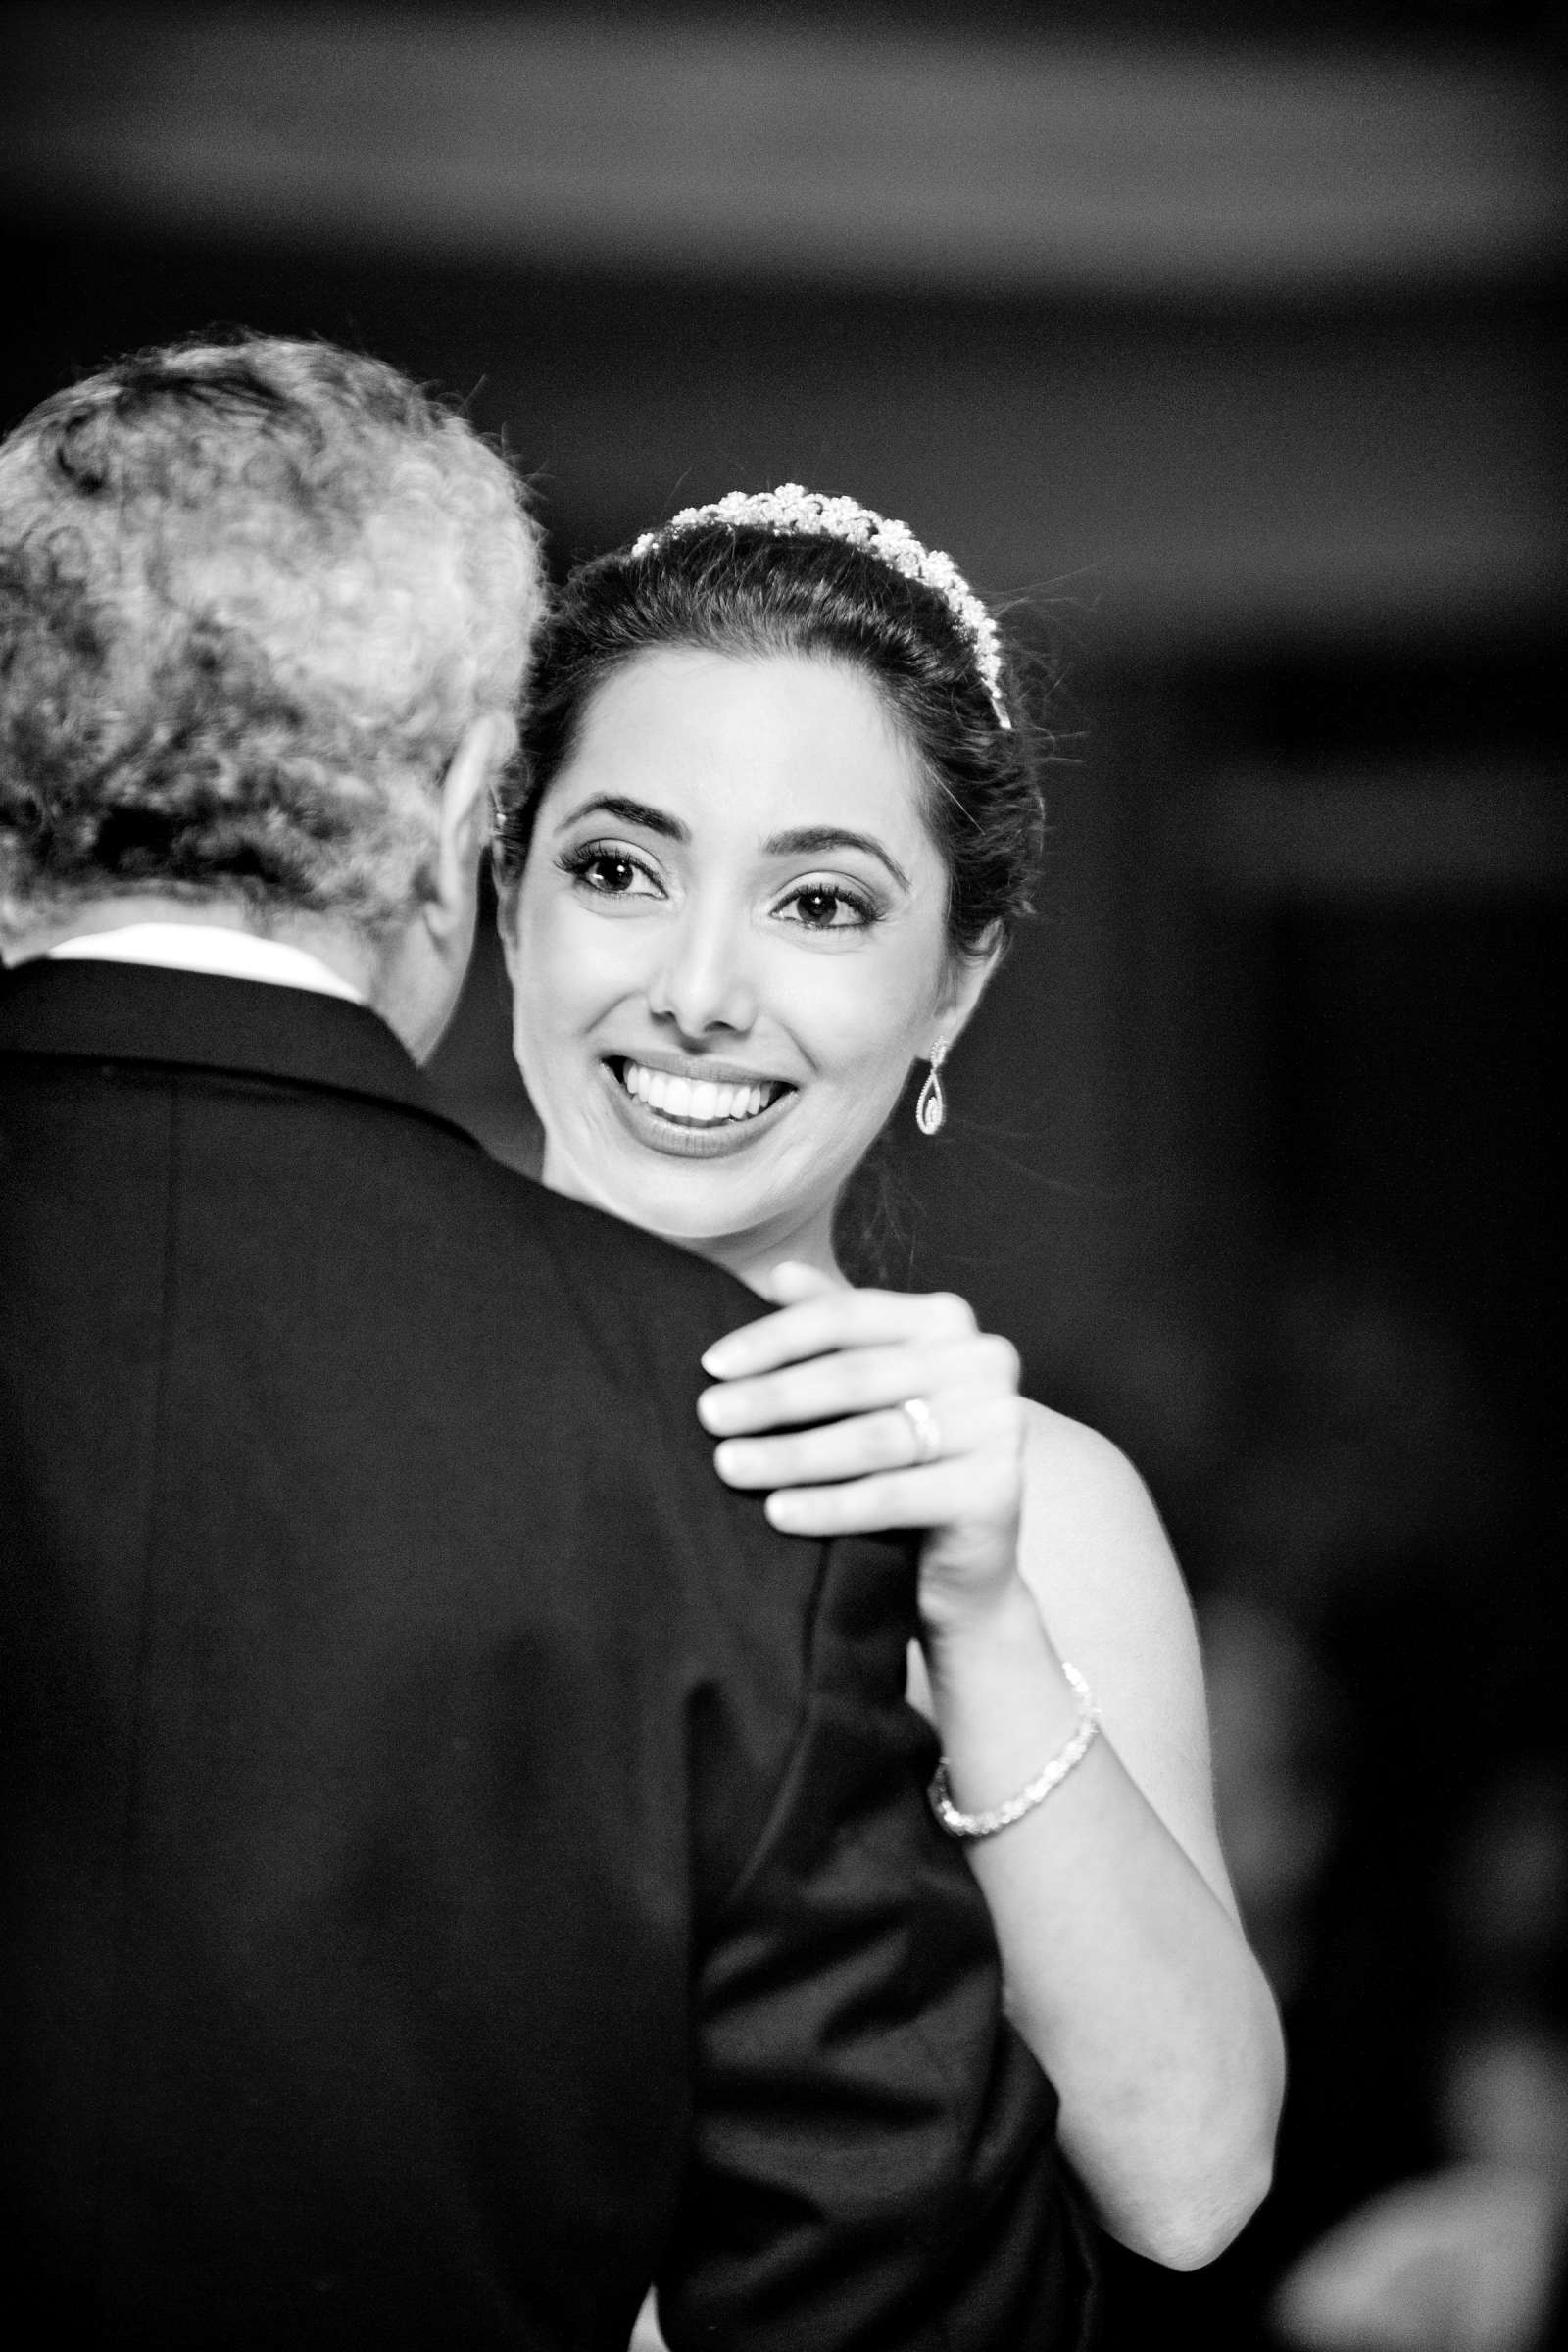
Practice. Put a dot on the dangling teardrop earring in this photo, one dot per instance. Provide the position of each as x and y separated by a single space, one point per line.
931 1103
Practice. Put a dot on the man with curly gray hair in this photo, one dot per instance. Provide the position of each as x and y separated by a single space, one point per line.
265 608
461 1864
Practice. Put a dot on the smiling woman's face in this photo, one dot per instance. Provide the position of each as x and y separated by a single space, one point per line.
727 947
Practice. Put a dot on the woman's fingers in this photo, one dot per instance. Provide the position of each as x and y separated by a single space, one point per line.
855 1448
858 1380
791 1280
976 1435
931 1498
836 1319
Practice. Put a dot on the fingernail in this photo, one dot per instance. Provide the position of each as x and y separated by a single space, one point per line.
717 1408
714 1359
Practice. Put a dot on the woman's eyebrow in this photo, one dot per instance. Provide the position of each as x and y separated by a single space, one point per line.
812 841
629 813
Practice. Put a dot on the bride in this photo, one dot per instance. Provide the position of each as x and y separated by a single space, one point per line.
775 817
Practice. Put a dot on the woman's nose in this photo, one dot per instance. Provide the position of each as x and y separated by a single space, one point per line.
703 982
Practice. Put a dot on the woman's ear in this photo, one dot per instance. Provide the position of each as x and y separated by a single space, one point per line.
967 975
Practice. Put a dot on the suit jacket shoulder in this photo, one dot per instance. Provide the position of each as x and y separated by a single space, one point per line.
461 1860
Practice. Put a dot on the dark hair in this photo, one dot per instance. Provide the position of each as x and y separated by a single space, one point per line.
744 589
252 593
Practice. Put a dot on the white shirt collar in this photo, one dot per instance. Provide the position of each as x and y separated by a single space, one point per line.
206 948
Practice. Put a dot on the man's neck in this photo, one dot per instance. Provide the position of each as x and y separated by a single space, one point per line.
340 951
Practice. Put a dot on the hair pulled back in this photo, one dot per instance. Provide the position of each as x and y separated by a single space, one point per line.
745 590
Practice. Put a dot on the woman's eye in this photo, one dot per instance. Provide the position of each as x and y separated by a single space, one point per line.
609 872
827 906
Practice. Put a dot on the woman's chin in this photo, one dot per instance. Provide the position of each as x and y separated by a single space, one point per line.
680 1201
695 1213
726 1204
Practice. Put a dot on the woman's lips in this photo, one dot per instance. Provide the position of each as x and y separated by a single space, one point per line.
694 1118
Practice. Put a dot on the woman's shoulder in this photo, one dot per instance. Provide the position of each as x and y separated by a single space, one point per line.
1094 1553
1071 1470
1097 1557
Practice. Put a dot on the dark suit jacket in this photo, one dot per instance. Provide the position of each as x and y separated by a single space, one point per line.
460 1863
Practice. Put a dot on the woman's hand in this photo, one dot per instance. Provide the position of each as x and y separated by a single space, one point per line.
845 1362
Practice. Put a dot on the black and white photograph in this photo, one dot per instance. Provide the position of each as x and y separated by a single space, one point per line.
782 864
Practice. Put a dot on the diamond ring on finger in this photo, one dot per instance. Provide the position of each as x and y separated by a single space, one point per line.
923 1421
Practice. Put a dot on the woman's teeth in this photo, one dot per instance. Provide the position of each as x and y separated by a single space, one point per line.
701 1100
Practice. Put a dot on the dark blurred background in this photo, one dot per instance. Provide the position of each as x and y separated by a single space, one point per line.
1224 346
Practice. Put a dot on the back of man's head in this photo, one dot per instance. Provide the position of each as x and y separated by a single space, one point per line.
252 596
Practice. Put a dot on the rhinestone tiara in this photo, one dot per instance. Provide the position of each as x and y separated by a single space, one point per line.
798 512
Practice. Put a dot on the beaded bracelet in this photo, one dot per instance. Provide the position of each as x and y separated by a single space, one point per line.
1050 1776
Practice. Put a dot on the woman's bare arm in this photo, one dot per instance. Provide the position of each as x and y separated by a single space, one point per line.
1126 1968
1127 1971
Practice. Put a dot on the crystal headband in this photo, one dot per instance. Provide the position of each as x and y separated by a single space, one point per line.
796 513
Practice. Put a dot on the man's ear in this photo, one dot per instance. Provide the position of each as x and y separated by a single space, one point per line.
964 984
507 925
464 825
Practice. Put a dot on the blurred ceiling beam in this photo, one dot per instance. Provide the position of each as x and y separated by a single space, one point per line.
955 167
